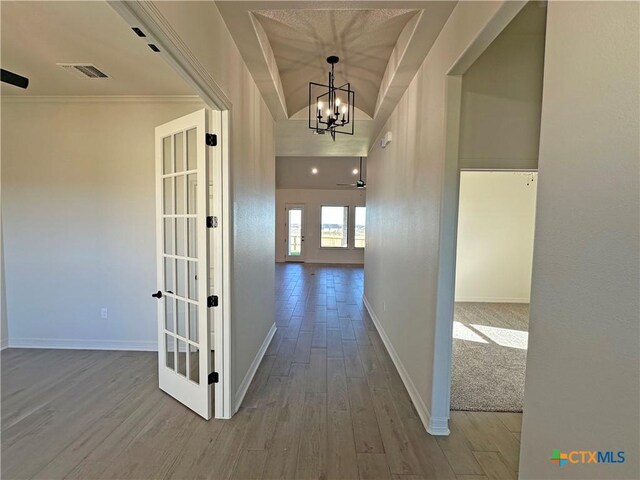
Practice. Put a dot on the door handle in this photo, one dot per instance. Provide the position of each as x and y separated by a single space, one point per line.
157 295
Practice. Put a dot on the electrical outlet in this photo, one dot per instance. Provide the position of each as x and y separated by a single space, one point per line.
104 313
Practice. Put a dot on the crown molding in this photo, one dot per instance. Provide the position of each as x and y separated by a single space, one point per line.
101 99
173 49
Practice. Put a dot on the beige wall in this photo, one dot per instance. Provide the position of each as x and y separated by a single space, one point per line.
583 374
313 199
495 236
252 150
502 97
78 211
404 209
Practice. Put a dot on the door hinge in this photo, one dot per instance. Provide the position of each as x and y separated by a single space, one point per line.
211 139
212 222
212 301
213 378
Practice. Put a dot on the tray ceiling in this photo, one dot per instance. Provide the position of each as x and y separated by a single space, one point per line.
363 39
381 45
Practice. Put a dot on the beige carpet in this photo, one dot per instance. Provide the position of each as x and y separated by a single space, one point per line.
489 356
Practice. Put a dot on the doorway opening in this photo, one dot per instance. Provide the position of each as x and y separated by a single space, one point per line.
496 221
294 233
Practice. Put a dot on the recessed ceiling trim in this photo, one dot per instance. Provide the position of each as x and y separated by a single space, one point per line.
102 99
270 85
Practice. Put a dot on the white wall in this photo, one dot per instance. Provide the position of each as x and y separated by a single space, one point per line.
583 374
252 150
405 188
502 97
78 211
495 236
313 199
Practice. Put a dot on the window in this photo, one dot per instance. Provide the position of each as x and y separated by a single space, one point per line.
361 217
334 224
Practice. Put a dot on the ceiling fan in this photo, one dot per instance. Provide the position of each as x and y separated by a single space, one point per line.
359 184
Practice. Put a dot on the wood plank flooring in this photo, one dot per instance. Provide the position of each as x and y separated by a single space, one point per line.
326 402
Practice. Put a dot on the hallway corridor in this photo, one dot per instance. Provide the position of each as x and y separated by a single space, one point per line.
338 404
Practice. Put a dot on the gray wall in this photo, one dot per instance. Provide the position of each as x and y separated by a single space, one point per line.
404 200
582 381
502 97
78 208
4 324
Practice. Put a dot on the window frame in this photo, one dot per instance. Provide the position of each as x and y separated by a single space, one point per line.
354 227
347 246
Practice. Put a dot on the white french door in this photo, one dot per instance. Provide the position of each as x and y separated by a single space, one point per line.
184 339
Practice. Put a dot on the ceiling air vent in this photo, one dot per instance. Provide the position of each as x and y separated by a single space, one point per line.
83 70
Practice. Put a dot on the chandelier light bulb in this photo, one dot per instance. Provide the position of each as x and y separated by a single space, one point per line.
355 171
344 109
337 102
319 106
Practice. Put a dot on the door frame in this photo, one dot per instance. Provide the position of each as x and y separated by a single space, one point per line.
147 17
287 207
438 423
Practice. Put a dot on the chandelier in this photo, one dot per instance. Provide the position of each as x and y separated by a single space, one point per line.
331 108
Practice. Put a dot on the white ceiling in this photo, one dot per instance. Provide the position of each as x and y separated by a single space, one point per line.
37 35
295 172
381 45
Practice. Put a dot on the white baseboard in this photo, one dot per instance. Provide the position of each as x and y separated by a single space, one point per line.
83 344
433 425
492 299
4 344
248 378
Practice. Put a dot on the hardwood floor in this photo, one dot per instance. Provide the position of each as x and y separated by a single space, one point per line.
326 402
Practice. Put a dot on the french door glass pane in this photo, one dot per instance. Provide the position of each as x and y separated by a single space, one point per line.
181 278
181 197
178 140
182 358
192 238
194 363
167 164
167 195
168 314
192 151
181 318
192 184
193 322
181 241
193 280
169 235
168 274
170 348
